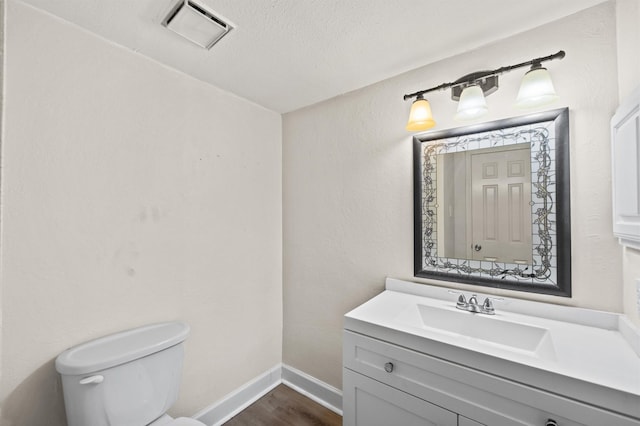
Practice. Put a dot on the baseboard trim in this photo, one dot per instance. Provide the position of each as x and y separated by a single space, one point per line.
230 405
317 390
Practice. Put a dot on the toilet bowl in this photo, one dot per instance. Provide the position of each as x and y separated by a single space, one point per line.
129 378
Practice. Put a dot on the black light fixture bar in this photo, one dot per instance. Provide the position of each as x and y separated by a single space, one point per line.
474 77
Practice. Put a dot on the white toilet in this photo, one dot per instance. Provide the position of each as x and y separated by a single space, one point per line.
126 379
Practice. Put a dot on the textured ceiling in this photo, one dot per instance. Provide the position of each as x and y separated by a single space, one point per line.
287 54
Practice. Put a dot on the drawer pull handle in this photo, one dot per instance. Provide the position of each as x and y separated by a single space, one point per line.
551 422
388 367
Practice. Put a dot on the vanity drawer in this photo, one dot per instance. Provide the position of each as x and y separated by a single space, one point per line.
483 397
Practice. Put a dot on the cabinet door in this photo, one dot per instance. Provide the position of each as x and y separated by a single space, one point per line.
625 156
463 421
368 402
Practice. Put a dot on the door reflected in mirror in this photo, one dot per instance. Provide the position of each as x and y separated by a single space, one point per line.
496 185
492 204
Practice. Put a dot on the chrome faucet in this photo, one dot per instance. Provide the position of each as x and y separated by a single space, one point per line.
473 306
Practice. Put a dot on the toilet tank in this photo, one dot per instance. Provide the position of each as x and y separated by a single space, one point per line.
126 379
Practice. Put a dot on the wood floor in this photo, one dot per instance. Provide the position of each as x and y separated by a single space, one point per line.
285 407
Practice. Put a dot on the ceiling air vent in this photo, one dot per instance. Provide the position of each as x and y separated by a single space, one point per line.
193 22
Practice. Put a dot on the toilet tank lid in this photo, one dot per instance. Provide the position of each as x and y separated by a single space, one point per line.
116 349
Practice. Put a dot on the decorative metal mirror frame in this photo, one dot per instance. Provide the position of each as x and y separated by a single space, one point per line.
550 271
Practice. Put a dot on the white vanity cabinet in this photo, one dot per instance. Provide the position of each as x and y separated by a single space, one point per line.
384 384
411 358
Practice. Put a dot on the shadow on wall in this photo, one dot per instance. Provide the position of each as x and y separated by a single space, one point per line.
37 401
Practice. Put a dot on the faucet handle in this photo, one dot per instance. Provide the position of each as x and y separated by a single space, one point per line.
462 301
487 306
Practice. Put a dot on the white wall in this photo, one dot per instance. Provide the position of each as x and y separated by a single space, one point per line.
131 194
347 207
628 28
628 45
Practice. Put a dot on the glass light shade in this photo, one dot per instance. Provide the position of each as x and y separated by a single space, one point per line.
420 117
472 104
536 89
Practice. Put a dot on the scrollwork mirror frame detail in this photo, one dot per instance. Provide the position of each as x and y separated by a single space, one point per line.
550 271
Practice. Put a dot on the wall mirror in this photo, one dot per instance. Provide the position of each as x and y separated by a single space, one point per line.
492 204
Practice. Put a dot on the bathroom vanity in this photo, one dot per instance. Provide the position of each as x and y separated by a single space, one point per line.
412 358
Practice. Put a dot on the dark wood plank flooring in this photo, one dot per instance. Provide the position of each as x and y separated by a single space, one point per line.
285 407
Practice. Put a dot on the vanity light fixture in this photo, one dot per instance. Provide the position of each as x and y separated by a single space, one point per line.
472 103
420 117
536 89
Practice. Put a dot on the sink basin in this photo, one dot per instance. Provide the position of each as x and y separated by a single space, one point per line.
484 328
